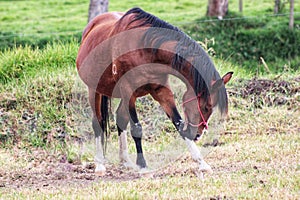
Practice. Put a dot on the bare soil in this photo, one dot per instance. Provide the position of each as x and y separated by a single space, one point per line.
49 171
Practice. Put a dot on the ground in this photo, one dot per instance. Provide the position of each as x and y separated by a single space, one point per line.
256 157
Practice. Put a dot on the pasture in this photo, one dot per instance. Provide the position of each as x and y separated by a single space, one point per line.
46 146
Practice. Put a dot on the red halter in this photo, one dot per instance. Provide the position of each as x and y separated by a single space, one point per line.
200 112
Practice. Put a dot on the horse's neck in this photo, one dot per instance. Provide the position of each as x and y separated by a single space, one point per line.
165 57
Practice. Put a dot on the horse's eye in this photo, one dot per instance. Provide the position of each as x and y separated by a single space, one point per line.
205 109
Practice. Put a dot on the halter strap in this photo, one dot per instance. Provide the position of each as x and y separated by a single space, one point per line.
203 122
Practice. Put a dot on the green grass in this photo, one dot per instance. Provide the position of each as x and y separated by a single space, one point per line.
241 38
245 41
32 110
38 22
22 62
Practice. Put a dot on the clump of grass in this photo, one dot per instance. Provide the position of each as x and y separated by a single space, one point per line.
27 61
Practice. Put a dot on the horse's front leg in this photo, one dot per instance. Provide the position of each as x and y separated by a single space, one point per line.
136 133
165 97
197 156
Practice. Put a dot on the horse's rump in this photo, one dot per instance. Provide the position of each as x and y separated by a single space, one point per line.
97 31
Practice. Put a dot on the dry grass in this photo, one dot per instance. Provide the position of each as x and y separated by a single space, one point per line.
258 159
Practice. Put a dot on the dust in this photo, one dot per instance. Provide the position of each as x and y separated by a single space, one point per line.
42 170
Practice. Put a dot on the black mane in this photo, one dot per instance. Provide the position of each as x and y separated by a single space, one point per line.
148 19
186 50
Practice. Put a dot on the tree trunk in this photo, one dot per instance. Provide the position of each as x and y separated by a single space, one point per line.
291 24
97 7
277 6
217 8
241 5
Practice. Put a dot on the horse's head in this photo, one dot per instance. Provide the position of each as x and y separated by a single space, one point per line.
198 109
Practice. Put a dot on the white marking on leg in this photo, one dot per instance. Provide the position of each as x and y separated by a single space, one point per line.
194 150
197 156
99 158
123 151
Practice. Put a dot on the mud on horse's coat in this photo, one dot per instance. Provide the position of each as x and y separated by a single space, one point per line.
129 55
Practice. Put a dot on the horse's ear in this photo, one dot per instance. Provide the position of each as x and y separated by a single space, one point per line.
227 77
216 85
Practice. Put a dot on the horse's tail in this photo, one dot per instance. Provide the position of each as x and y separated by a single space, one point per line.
104 121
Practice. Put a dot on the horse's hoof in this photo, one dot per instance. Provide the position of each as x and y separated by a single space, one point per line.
201 173
100 170
99 173
146 172
209 171
141 162
204 167
130 165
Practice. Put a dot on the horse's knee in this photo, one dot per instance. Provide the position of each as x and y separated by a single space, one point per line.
122 123
136 130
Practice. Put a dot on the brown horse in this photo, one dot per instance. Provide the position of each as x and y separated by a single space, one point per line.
129 55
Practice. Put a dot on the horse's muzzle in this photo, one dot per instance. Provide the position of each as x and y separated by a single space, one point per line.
189 133
197 138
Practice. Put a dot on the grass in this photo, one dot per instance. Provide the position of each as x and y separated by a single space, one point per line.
23 62
259 153
258 158
256 165
246 41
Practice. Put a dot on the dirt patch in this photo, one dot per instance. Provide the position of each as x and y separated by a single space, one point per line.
49 171
268 92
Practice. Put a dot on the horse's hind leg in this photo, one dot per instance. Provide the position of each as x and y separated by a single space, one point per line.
122 122
95 102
